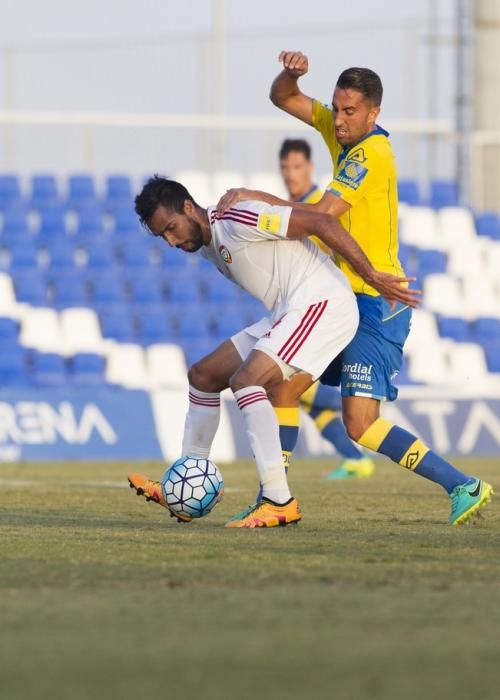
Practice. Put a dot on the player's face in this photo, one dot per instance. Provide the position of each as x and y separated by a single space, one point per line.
354 116
178 230
297 174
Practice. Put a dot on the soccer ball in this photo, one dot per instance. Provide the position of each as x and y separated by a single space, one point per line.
192 487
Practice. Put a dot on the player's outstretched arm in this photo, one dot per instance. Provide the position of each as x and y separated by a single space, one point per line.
285 92
326 228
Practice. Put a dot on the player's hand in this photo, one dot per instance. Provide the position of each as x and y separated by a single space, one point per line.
389 286
232 197
294 62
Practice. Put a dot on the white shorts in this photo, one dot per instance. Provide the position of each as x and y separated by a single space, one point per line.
305 339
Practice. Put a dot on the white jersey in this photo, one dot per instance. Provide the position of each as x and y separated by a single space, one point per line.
250 247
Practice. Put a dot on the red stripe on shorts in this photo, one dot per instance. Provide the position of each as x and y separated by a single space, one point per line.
302 332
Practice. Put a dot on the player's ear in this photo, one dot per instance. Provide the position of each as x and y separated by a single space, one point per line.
188 206
374 112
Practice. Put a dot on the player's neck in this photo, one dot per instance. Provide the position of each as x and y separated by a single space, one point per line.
202 218
303 192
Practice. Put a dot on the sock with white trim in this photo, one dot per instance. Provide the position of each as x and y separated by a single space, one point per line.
202 421
264 436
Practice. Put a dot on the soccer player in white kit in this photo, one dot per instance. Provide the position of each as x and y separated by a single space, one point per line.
312 316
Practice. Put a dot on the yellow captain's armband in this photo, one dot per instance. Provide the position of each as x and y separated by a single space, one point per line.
269 223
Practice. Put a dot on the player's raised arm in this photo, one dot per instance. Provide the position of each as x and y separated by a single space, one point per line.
285 92
304 223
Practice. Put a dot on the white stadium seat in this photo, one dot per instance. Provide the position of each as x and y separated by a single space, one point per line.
41 330
480 297
467 365
443 295
429 364
423 331
81 331
466 258
126 366
7 296
419 227
166 365
456 226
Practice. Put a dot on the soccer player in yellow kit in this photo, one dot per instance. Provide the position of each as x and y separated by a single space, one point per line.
363 197
321 402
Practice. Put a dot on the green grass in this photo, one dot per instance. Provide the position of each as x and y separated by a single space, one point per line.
373 595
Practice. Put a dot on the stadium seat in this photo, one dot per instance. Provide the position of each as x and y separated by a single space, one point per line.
118 192
145 288
100 254
488 224
126 366
467 259
14 370
486 329
81 331
107 289
492 352
15 224
62 254
492 260
174 260
191 324
407 255
229 322
81 192
10 191
430 262
136 255
117 324
183 288
194 351
423 331
216 288
126 220
166 365
154 326
480 298
467 365
41 330
52 224
87 369
443 295
31 287
430 368
456 227
69 292
23 256
408 192
9 331
44 191
49 369
90 224
455 328
8 302
444 193
419 228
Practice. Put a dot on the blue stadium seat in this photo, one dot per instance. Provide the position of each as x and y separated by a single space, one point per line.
136 255
430 262
492 352
454 328
117 323
195 349
44 191
118 192
87 369
14 370
408 192
183 288
229 321
192 324
100 254
70 291
23 256
81 193
126 220
107 289
62 254
488 224
175 261
10 191
486 330
154 326
52 223
90 223
31 287
145 289
9 331
408 258
15 224
252 310
444 193
49 369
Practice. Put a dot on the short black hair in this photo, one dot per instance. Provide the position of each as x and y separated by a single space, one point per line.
160 190
295 146
365 81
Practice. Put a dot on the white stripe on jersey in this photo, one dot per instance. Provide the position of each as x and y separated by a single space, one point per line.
249 246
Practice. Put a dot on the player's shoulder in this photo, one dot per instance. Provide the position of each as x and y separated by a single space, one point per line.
373 151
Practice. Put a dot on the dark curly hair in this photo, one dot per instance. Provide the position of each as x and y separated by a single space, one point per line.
160 190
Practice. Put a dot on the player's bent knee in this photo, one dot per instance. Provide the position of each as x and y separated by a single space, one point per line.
200 378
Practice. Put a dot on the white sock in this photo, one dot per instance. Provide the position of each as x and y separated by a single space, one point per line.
202 421
263 433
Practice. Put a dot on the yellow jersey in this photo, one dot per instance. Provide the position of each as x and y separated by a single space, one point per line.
365 177
311 197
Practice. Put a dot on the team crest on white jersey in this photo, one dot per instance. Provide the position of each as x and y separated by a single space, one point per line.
225 254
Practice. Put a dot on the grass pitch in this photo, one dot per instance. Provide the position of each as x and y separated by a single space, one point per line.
373 595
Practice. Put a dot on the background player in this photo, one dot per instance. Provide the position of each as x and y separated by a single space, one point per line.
323 403
363 196
313 316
